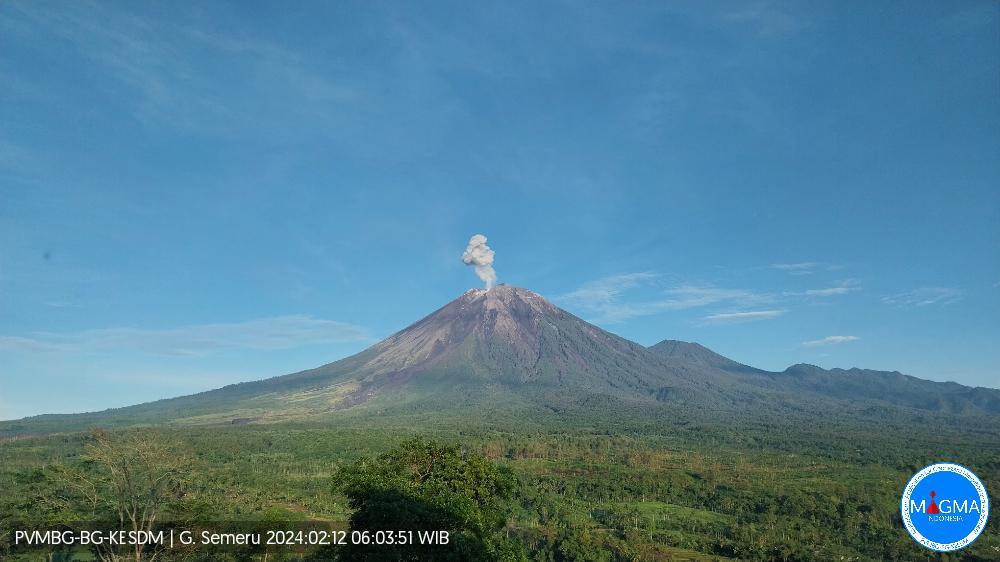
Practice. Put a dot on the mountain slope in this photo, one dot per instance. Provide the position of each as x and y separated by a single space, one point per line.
892 387
849 385
506 348
512 338
696 355
510 350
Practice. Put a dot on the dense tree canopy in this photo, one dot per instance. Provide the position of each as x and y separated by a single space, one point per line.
427 486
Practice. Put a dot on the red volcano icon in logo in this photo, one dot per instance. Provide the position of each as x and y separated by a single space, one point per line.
933 508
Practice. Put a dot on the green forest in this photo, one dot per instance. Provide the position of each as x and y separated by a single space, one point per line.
629 488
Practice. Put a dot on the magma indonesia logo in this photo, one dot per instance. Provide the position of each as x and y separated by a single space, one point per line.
945 507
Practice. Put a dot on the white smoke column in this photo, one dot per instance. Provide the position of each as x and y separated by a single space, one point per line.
477 253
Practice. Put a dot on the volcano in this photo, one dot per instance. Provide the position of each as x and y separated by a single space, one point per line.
509 349
504 340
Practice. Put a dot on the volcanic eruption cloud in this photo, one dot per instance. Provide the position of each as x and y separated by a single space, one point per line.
478 254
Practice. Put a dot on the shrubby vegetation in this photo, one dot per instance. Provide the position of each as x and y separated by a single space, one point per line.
627 488
427 486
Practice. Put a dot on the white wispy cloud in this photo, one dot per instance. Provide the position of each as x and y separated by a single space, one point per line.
842 288
183 380
828 292
62 304
805 268
924 296
32 344
738 317
801 268
280 332
167 67
829 340
602 298
607 289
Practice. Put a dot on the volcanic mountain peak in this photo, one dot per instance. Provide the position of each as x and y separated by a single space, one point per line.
505 315
509 347
506 298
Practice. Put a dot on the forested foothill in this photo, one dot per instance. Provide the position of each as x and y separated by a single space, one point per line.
571 486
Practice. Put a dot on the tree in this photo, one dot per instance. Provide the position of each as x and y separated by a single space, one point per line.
127 480
427 486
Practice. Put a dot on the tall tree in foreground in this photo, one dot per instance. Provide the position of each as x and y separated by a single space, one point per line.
129 480
428 486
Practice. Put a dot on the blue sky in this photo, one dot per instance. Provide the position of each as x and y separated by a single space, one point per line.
193 194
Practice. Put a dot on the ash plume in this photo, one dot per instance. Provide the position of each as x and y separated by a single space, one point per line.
478 254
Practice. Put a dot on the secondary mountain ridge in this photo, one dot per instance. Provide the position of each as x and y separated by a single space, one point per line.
511 346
